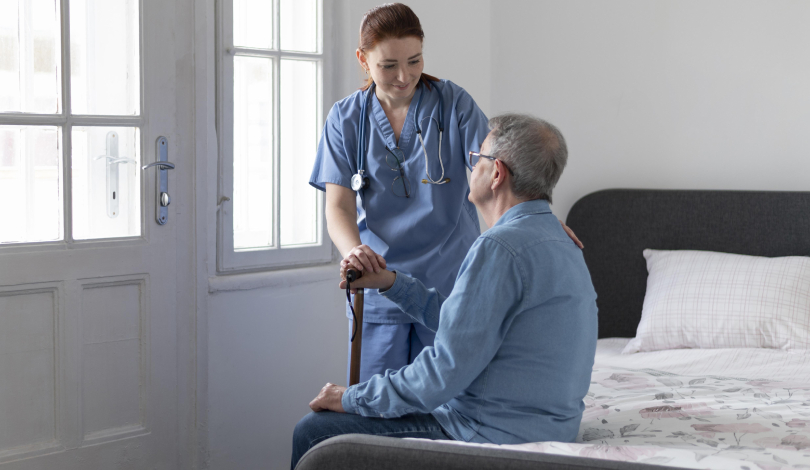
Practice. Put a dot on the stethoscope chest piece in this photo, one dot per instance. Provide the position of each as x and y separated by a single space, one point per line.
359 181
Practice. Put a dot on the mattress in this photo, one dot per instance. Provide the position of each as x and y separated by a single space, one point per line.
694 408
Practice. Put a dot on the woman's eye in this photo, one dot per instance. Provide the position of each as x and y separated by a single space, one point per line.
386 67
414 62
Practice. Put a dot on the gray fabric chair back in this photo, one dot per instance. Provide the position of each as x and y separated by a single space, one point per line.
616 225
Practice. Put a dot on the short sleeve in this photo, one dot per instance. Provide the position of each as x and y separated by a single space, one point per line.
333 163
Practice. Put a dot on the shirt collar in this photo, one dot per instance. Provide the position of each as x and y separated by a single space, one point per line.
536 206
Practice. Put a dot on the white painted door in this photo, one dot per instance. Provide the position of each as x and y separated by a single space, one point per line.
87 277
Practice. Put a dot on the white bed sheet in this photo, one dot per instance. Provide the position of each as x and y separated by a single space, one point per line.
695 408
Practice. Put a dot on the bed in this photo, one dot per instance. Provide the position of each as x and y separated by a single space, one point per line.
722 408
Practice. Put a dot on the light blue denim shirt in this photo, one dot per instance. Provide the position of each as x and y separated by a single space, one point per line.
515 340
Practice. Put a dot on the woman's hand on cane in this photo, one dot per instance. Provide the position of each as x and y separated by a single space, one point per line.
370 280
364 259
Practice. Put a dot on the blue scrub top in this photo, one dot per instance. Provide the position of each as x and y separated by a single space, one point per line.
427 235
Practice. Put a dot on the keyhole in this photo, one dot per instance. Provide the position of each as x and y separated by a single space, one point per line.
113 194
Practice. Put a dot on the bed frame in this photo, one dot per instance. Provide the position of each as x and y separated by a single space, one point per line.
615 226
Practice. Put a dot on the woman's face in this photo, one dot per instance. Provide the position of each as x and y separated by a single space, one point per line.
395 65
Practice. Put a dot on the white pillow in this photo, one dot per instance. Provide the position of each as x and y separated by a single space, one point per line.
702 299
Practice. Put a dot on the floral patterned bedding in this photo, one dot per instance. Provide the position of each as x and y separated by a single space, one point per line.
742 409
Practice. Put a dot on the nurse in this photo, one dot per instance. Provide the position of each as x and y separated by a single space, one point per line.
403 138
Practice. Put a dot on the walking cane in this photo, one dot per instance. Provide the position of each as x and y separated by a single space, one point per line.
357 336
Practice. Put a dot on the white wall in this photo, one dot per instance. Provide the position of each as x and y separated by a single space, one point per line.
663 94
270 351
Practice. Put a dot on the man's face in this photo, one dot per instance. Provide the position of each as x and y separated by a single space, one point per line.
480 178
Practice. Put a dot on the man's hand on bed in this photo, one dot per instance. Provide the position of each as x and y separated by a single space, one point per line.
329 399
572 235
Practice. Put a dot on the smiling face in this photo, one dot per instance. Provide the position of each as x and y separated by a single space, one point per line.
395 65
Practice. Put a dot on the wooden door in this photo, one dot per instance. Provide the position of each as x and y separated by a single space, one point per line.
88 331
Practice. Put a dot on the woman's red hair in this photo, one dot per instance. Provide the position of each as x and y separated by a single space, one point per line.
392 20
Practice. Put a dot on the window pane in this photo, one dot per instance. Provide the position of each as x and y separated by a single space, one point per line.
252 152
30 184
104 57
29 56
299 22
106 182
253 23
299 134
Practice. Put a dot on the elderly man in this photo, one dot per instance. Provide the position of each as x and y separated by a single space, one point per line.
515 340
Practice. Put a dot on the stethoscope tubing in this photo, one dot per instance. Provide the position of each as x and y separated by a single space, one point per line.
418 127
416 123
361 144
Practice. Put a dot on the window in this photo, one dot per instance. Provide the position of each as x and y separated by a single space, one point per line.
70 120
269 117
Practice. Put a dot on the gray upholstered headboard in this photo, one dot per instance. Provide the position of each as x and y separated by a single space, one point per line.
617 224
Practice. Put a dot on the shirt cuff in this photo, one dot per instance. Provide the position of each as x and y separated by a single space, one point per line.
397 291
348 400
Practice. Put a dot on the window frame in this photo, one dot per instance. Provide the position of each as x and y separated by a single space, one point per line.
64 119
230 260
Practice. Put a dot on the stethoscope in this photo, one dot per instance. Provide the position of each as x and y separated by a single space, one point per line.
360 180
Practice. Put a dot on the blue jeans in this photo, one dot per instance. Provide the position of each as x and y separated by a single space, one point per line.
317 427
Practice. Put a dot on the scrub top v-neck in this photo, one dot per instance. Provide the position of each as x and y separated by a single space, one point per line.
428 234
384 125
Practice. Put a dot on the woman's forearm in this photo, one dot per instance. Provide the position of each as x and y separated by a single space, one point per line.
341 218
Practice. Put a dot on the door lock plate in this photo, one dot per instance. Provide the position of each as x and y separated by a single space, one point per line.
162 166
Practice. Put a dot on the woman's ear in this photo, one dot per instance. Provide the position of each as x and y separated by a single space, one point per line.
361 59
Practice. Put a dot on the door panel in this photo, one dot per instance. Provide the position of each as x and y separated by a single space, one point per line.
113 316
28 356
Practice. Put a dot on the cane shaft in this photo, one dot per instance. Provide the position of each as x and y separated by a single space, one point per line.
357 344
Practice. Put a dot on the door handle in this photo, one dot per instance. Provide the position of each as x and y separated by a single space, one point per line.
162 165
167 165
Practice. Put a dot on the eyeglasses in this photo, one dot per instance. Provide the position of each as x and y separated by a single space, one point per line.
475 156
401 186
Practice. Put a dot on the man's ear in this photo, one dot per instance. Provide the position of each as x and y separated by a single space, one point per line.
498 176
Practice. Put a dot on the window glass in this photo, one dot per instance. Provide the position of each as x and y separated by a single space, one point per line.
299 134
273 217
104 57
105 80
106 182
29 56
253 24
253 152
299 25
30 184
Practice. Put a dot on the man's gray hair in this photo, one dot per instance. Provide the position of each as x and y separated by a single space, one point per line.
533 149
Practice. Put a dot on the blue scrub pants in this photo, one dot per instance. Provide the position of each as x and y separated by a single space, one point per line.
317 427
389 346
